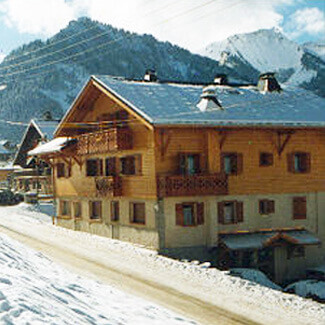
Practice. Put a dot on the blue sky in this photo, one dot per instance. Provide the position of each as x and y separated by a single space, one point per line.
188 23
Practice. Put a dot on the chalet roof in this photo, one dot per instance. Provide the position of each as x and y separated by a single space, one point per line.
45 128
258 240
172 103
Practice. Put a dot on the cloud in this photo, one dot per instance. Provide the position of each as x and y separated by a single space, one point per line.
307 20
188 23
37 16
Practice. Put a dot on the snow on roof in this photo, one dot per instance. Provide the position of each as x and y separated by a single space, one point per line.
168 103
46 128
259 240
54 145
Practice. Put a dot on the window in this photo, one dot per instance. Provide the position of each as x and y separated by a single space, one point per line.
94 167
299 162
295 251
77 210
95 210
137 213
110 166
63 170
232 163
130 165
266 206
266 159
299 207
189 164
115 211
189 214
60 170
230 212
65 208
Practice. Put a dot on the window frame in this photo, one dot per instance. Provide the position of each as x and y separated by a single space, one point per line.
99 167
299 208
136 168
266 159
80 210
304 162
93 217
238 212
197 209
183 163
269 206
65 208
236 162
132 216
115 206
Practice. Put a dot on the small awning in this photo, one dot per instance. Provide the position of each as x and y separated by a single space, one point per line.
52 146
259 240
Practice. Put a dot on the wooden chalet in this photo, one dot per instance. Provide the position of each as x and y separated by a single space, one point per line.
235 171
33 175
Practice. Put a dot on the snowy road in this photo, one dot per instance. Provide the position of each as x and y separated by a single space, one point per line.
206 295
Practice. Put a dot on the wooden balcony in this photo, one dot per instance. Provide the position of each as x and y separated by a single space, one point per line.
192 185
108 186
104 141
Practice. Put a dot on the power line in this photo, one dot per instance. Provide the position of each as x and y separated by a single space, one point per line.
88 50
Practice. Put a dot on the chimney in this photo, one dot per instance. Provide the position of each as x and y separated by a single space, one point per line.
268 83
220 79
47 116
150 75
209 100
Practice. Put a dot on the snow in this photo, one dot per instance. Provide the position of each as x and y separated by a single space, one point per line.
237 295
258 49
34 290
308 288
255 276
52 146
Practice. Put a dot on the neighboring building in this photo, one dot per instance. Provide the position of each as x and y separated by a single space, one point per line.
7 150
231 170
34 175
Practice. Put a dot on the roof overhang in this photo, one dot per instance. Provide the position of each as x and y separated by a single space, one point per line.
262 239
52 147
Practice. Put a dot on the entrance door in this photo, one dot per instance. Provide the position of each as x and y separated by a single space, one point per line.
265 262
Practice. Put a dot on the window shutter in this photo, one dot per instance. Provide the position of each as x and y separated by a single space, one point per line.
290 162
260 206
240 211
307 162
221 214
110 166
222 162
138 164
131 212
271 207
197 163
179 214
181 164
200 213
100 167
299 208
239 169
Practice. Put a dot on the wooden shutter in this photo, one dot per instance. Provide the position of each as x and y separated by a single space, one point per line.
197 165
200 213
222 162
290 162
271 206
305 162
110 166
239 159
299 207
100 167
138 165
131 212
181 164
179 214
221 213
240 211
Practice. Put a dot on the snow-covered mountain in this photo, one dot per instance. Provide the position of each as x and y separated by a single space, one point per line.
43 76
269 50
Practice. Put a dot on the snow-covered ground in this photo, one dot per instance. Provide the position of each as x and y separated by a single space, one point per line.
34 290
210 285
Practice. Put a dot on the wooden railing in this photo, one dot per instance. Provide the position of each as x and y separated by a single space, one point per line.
108 186
104 141
192 185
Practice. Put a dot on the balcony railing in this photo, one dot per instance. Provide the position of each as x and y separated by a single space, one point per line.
108 186
192 185
104 141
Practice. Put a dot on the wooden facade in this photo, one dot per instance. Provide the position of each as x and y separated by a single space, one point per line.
182 186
